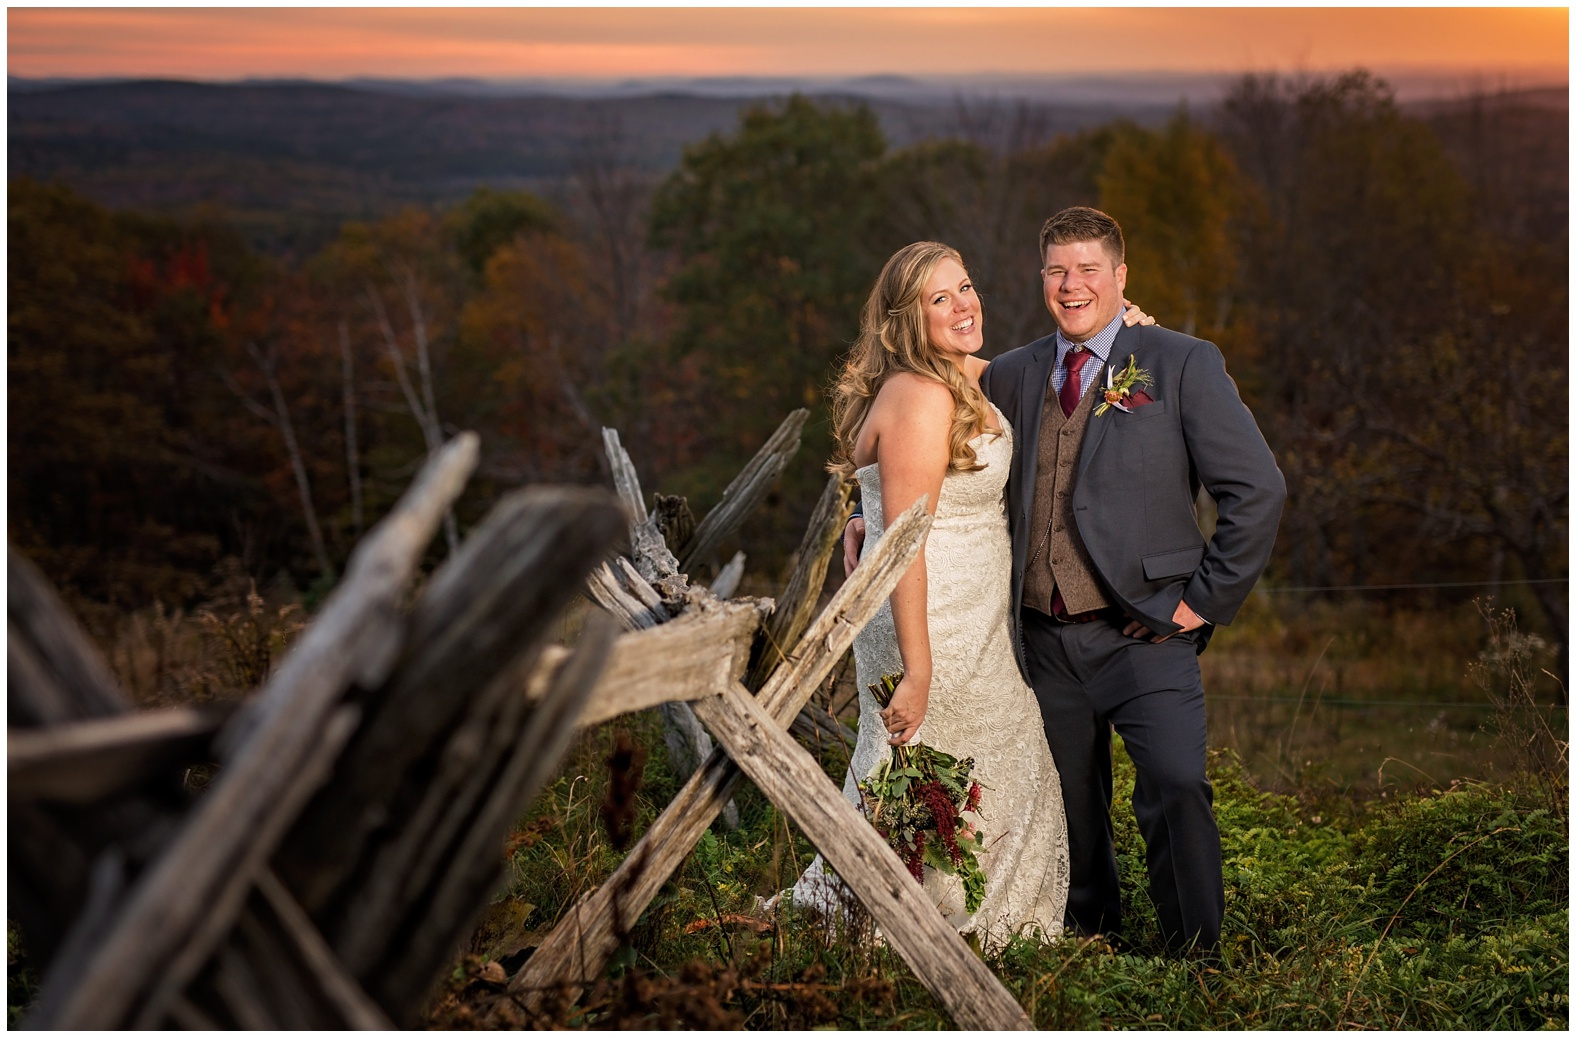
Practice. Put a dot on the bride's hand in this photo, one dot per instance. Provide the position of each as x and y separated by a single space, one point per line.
853 543
905 713
1133 315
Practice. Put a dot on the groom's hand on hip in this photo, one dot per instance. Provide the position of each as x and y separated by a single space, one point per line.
1184 617
853 541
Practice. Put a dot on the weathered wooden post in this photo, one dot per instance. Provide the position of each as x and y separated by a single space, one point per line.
750 727
351 836
579 947
658 579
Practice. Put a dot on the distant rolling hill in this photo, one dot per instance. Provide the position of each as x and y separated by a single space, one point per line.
289 161
296 159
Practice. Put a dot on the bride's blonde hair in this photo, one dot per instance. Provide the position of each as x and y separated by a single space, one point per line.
892 338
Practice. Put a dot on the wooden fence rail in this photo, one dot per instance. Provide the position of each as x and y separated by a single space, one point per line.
349 840
402 733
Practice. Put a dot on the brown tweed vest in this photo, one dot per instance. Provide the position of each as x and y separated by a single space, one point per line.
1057 557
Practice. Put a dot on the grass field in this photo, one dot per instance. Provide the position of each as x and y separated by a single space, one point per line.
1360 891
1391 789
1440 910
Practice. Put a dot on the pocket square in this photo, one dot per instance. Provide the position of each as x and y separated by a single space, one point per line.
1128 402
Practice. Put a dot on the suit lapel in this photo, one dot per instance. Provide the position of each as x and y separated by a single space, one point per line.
1126 342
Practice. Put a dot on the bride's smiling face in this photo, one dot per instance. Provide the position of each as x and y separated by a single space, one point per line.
953 316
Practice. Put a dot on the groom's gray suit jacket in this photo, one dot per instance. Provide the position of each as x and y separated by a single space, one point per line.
1138 477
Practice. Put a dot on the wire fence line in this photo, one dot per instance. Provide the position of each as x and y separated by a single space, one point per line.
1431 704
1411 587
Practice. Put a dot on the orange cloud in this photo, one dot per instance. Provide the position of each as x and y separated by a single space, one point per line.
224 43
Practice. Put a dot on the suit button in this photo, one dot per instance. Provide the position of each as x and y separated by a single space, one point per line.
1059 527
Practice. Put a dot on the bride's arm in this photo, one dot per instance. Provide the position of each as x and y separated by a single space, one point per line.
915 417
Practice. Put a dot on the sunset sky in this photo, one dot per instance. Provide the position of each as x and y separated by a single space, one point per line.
1530 45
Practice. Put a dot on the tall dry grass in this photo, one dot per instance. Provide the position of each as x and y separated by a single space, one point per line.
1357 696
218 651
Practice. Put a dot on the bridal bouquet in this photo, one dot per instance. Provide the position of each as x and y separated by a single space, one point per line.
916 797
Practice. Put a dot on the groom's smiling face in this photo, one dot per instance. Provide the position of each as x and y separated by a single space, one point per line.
1083 289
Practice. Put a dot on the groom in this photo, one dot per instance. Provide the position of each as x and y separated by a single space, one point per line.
1114 586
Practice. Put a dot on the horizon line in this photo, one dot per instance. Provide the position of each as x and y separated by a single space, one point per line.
1403 79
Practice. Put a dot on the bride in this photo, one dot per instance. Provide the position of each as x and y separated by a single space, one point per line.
911 420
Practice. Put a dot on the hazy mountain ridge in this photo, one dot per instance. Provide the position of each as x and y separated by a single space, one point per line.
1412 85
326 152
292 158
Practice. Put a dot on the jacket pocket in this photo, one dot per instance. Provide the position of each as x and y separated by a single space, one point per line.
1172 563
1153 409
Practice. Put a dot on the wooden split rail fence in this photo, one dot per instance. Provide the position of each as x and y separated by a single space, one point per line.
350 836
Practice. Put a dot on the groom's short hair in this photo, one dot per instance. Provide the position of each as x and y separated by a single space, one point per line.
1081 223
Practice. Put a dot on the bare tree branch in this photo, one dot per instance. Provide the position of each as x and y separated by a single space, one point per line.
279 418
352 448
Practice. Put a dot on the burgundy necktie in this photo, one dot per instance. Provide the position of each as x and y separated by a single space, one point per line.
1072 388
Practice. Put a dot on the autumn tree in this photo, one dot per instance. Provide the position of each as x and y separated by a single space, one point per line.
986 191
400 284
606 205
1403 347
487 220
530 343
775 232
127 476
1471 440
279 367
609 200
1175 191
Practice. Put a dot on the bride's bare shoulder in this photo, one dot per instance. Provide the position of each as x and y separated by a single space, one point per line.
910 408
907 391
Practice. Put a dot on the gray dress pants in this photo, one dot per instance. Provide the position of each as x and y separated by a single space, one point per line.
1090 678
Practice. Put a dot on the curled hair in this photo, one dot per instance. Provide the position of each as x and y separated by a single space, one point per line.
893 338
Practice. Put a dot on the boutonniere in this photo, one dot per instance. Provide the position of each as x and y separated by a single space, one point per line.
1120 386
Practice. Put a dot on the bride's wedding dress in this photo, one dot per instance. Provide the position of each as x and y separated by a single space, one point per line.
979 707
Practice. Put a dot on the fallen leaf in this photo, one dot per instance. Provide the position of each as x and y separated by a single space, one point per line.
750 921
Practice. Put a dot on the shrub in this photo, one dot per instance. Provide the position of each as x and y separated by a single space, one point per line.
1463 862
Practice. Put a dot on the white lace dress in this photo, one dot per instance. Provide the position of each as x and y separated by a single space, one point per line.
979 707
